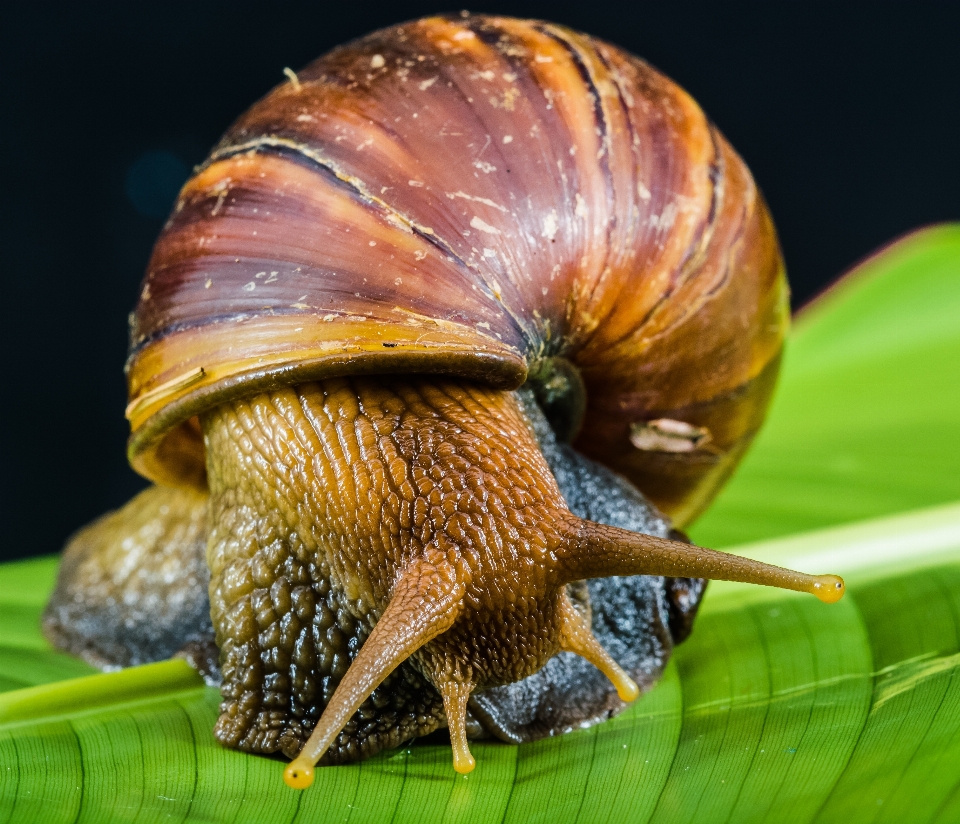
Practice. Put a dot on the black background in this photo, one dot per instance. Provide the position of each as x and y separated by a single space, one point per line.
848 114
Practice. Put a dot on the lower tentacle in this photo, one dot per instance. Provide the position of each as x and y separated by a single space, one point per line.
576 636
456 694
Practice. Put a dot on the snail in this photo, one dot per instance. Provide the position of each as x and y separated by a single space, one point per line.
436 345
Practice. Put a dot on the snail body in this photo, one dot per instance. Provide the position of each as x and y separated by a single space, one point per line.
328 344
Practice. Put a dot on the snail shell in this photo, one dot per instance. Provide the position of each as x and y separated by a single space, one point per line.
491 198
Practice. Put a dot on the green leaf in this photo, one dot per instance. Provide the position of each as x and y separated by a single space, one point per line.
778 708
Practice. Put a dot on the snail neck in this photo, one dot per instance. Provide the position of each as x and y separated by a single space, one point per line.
368 472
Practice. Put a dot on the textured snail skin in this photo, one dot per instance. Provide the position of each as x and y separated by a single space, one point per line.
119 584
327 343
429 506
423 511
378 481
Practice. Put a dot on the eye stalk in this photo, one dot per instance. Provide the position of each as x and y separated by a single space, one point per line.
600 551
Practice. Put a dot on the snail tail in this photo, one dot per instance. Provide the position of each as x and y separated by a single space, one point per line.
424 603
599 551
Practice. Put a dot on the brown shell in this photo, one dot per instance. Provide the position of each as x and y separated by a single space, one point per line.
472 196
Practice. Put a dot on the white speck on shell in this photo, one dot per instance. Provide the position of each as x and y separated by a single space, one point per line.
482 226
581 210
550 225
485 201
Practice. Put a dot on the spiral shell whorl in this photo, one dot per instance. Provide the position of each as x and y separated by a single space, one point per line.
471 196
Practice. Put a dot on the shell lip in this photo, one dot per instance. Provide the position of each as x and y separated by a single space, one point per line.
176 378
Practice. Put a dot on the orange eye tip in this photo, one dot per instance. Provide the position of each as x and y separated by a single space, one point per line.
463 763
829 588
627 688
298 775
